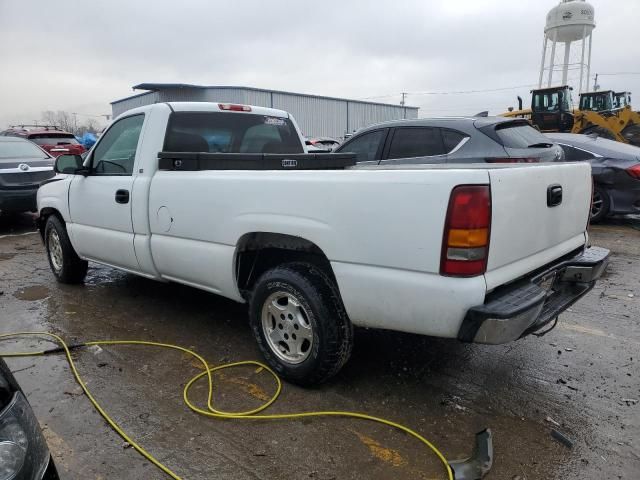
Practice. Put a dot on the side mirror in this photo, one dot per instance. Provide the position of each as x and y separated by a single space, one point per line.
69 164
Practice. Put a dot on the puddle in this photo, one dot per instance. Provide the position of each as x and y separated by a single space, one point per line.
6 256
37 292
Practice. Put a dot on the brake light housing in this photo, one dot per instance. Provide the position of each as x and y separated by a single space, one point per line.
234 107
467 230
634 171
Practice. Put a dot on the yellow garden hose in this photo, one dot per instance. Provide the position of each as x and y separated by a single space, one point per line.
210 411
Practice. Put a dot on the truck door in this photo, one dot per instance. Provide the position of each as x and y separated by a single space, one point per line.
101 225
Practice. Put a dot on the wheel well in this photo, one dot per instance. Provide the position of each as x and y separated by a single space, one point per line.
42 218
258 252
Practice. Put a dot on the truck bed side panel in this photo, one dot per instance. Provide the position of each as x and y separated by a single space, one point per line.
386 224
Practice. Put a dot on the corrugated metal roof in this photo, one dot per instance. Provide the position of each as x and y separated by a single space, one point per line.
155 87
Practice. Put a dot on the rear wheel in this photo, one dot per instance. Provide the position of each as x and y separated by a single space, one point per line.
600 204
63 260
300 323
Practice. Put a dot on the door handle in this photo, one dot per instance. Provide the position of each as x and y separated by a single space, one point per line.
122 196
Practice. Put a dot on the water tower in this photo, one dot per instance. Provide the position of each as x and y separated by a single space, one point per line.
569 22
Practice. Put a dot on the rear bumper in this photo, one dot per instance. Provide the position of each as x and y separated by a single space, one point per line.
18 200
527 306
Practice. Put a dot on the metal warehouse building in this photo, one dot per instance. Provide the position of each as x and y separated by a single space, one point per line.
316 115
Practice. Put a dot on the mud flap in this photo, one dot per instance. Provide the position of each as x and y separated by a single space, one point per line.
479 463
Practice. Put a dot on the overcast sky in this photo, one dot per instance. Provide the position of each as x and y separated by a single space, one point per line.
80 55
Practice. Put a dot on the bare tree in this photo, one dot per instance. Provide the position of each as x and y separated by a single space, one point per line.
69 122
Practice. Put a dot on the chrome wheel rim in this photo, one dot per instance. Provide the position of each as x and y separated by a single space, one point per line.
596 204
286 327
55 250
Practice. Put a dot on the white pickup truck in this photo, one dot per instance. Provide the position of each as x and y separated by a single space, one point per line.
222 197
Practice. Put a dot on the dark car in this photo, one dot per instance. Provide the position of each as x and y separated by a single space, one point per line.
23 167
451 140
615 169
51 138
23 450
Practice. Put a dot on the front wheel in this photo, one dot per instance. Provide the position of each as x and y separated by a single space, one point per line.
300 323
63 259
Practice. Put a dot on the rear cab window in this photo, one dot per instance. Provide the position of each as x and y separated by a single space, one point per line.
223 132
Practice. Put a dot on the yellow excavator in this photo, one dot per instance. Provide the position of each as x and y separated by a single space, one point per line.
605 113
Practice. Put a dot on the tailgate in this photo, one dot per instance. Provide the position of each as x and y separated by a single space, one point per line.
527 231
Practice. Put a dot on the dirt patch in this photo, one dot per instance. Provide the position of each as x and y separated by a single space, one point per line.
36 292
6 256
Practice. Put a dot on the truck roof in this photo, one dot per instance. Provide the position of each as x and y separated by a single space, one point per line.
216 107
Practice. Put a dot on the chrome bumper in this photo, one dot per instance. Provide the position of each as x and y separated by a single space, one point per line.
520 309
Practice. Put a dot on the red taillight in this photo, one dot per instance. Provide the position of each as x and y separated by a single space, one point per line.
465 244
512 160
634 171
234 108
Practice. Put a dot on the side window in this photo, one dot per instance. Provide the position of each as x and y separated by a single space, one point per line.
574 154
116 151
451 139
411 142
366 146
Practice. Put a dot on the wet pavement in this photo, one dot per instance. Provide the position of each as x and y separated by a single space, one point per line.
583 376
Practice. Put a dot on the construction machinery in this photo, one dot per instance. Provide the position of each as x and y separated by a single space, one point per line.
604 113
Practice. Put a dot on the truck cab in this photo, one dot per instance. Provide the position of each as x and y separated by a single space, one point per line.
552 109
602 101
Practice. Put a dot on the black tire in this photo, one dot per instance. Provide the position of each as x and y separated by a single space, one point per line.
321 309
601 204
65 264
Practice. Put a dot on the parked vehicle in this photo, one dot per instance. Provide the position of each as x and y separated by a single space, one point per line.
484 253
49 137
23 450
23 167
451 140
615 167
324 143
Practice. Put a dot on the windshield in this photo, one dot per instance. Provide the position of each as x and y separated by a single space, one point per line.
520 135
550 101
20 150
54 139
222 132
596 103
